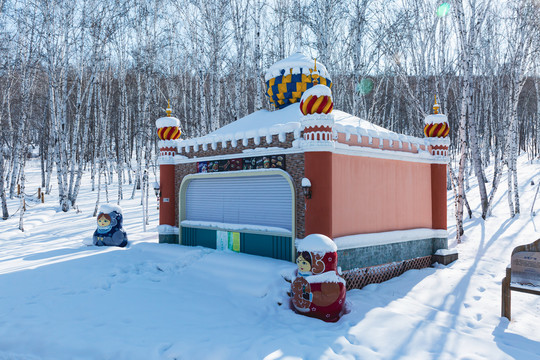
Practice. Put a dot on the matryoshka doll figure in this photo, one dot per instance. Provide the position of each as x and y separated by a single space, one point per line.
318 290
109 231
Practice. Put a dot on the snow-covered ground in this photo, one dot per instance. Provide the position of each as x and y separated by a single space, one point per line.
61 299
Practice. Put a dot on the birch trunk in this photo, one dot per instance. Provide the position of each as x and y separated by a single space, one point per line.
50 162
22 206
475 149
461 171
96 208
5 212
84 145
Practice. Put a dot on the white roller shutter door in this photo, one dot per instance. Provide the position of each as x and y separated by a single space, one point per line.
264 200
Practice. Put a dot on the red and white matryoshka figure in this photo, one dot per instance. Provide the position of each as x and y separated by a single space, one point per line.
318 290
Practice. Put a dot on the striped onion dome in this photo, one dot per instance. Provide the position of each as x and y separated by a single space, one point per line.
317 100
289 78
436 126
168 128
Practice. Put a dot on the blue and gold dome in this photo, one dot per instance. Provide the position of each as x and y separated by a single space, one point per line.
287 79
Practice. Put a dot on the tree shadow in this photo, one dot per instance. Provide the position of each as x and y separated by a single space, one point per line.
454 303
514 345
57 253
335 338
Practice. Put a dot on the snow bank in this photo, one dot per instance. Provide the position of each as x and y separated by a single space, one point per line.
54 303
445 252
168 230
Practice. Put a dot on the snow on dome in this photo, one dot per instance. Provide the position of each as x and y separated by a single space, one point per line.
299 63
318 90
109 208
167 122
316 243
436 119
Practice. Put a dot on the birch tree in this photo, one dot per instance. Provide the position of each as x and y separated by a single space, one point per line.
468 33
519 50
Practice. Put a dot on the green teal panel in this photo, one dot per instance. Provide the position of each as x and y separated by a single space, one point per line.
168 239
199 237
277 247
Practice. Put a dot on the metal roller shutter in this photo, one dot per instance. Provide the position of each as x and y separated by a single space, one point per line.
264 200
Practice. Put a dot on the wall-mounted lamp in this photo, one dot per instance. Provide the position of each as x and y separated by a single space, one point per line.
157 191
156 188
306 188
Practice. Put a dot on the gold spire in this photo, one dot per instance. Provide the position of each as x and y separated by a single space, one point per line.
315 75
169 110
436 106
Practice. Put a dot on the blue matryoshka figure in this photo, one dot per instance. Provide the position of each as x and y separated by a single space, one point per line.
109 231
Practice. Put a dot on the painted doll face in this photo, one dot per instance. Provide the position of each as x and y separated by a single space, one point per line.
303 265
103 221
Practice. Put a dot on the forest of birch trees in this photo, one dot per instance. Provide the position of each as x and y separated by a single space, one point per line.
83 81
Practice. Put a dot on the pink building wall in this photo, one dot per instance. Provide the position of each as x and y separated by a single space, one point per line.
358 195
374 195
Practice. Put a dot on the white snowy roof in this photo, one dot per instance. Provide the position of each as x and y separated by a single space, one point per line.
264 119
266 123
295 62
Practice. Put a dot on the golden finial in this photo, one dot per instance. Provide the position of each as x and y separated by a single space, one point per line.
315 75
169 110
436 106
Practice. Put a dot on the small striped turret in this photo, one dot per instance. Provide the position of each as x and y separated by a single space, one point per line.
317 100
436 129
168 130
436 125
168 127
316 104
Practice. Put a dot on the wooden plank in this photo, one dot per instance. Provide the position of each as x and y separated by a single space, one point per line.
523 275
522 289
506 299
526 267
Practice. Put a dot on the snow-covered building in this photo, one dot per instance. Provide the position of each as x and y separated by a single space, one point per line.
263 181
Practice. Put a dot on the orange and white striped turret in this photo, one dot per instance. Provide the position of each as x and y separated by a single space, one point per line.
317 104
168 129
317 100
436 129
